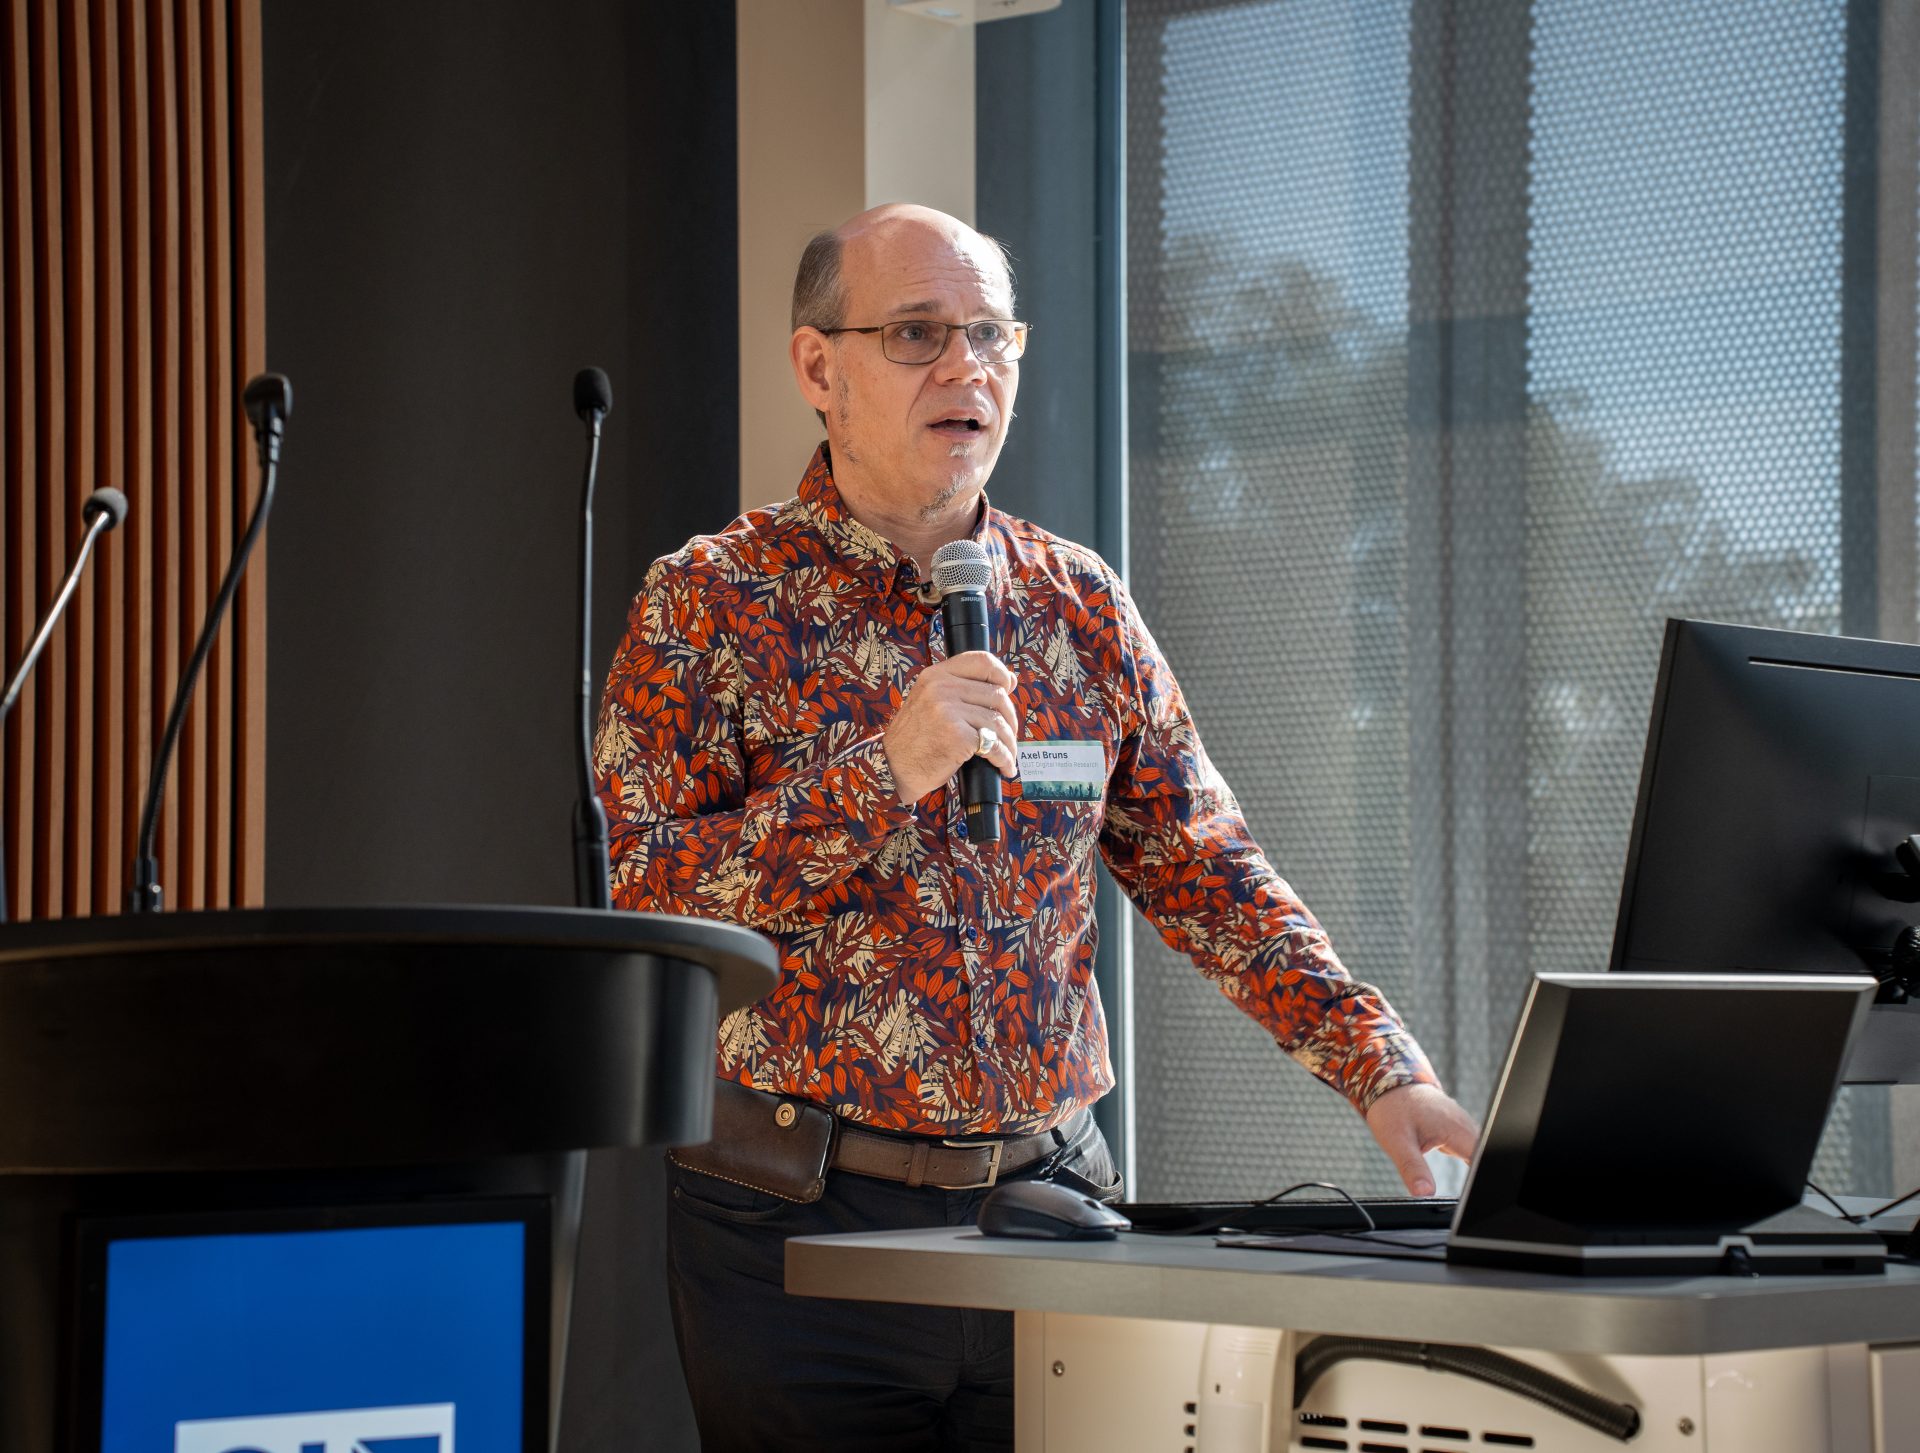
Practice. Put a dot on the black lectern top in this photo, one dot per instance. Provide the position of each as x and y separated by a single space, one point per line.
359 1036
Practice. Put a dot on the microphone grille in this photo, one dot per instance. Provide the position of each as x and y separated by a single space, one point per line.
267 395
592 392
960 565
106 501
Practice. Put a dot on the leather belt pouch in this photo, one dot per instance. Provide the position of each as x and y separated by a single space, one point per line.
766 1142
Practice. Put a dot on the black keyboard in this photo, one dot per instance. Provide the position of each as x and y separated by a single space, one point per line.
1204 1218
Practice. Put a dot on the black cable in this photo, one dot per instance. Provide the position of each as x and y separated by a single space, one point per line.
1496 1369
1839 1210
1882 1210
1322 1186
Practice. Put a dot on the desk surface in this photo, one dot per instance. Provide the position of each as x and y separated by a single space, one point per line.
1194 1281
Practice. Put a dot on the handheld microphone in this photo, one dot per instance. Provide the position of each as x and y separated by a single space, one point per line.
592 401
961 571
268 399
104 510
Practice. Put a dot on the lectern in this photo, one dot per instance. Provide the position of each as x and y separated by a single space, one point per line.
310 1179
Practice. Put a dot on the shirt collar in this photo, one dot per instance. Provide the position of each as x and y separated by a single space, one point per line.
865 552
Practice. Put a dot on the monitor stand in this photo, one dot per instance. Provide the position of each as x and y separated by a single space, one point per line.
1798 1241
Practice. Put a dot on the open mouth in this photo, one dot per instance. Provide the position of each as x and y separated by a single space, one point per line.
958 427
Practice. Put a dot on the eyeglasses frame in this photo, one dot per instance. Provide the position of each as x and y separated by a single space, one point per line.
1026 330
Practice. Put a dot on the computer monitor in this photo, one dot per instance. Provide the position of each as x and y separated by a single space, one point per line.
376 1327
1782 771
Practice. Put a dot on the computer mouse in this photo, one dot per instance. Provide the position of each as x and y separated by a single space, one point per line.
1047 1211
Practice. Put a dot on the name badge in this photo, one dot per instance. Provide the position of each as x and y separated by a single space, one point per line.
1063 771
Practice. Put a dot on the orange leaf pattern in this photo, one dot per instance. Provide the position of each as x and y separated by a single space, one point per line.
929 984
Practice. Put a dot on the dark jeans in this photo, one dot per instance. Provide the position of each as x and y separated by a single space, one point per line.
770 1372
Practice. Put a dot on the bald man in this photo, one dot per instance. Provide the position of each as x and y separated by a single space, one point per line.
778 747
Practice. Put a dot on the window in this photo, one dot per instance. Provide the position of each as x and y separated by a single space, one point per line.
1467 342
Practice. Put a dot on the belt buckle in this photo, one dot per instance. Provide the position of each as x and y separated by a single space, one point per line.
993 1164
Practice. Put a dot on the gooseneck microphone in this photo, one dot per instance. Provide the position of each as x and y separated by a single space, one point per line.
592 401
961 572
268 399
104 510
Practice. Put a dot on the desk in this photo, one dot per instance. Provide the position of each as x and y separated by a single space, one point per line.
1111 1338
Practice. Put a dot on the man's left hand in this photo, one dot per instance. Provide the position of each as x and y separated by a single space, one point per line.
1413 1119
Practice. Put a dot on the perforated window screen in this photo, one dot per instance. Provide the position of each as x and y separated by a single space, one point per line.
1470 340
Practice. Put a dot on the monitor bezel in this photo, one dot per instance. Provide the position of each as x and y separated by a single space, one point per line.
1758 645
1888 1052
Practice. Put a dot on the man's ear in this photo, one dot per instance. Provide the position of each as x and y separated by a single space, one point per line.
812 367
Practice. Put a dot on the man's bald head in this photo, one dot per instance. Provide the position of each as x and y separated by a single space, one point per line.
912 443
820 286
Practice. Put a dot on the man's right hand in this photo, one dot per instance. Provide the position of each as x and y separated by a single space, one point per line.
938 726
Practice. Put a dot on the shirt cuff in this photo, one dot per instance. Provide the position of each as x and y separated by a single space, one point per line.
860 779
1386 1061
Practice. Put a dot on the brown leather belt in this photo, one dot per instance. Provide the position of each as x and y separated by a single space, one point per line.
784 1147
948 1165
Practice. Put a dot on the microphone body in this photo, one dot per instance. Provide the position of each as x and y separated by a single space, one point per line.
104 510
961 576
592 401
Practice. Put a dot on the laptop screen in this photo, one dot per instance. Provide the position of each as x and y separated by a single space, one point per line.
1660 1101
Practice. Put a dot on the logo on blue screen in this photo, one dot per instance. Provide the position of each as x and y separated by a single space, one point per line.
427 1428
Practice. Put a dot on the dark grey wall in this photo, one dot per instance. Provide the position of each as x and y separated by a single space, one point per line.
466 203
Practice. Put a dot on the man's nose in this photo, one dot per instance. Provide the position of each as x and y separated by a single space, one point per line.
958 364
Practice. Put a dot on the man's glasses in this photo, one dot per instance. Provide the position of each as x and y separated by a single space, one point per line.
920 340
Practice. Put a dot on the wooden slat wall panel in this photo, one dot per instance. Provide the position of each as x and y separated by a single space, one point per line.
196 520
248 160
131 313
50 393
137 548
220 428
22 454
75 710
164 265
110 579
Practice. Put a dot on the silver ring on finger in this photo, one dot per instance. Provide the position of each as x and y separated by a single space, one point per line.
989 739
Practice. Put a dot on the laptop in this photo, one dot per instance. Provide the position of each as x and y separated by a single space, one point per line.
1665 1124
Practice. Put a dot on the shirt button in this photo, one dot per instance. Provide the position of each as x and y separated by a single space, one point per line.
960 831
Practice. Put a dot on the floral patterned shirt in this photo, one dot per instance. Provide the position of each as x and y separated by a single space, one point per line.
928 983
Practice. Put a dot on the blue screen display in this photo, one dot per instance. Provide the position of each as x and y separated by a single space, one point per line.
370 1340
